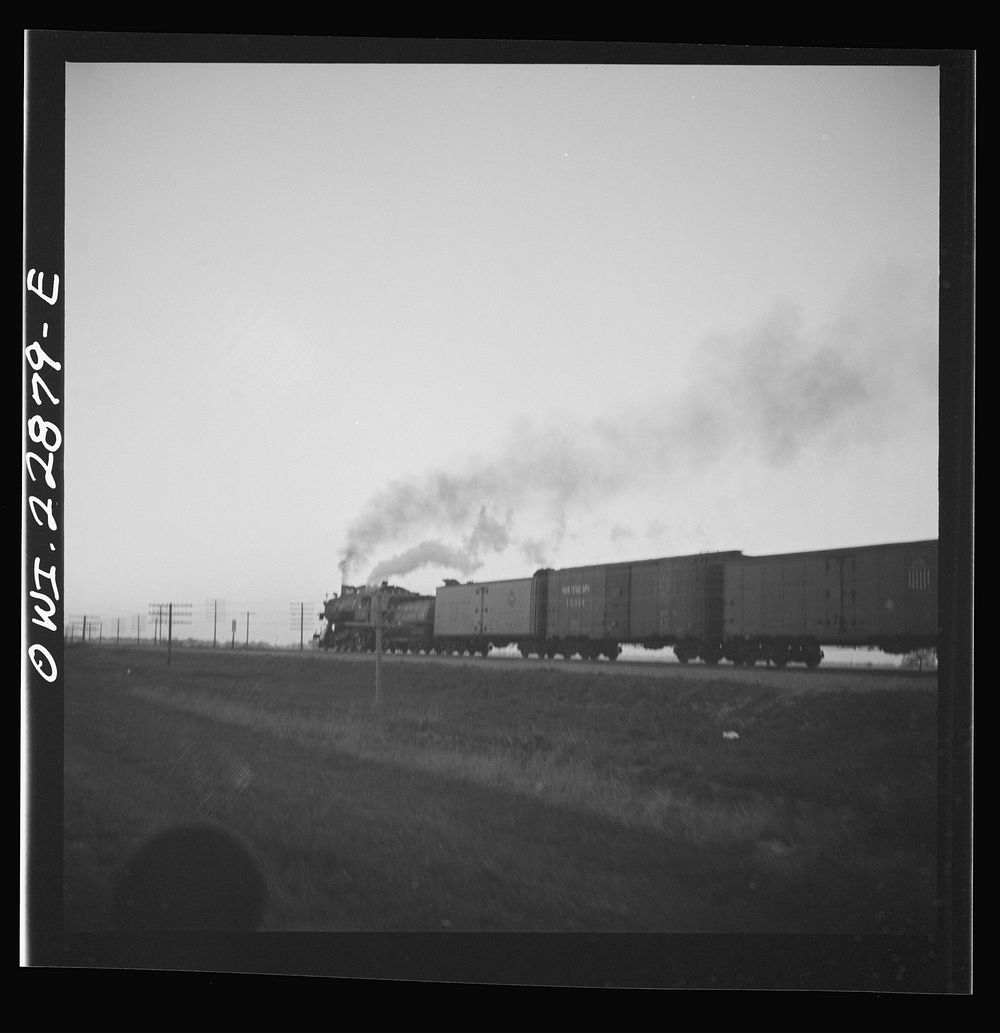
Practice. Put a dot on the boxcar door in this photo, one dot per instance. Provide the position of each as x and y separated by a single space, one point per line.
854 584
616 602
712 600
834 571
480 606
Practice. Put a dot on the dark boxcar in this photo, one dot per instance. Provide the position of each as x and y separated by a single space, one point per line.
588 610
476 615
678 601
783 607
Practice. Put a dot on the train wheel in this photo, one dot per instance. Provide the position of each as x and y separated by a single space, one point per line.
780 654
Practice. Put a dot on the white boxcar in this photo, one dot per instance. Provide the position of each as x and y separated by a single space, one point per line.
502 611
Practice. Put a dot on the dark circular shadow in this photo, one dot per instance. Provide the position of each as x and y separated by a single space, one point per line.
192 877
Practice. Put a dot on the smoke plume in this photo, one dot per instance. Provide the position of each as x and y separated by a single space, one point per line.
488 534
771 394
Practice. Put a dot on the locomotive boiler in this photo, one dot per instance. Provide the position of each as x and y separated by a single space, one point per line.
407 620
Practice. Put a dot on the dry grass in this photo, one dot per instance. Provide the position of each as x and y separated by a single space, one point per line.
515 796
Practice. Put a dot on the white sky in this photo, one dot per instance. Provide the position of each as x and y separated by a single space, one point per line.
525 313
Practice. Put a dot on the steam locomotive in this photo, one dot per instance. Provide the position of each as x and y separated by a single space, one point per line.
776 609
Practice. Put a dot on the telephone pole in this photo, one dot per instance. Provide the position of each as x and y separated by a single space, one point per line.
179 613
377 599
218 610
156 611
75 621
297 618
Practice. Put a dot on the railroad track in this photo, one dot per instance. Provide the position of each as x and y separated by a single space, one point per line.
827 674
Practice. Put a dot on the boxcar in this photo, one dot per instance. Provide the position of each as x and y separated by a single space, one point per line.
475 616
589 610
784 607
678 601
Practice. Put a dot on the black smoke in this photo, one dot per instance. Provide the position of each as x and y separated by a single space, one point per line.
771 395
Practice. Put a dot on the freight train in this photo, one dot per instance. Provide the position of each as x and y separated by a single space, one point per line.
776 609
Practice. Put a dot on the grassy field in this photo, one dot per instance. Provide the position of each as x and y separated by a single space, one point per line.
501 796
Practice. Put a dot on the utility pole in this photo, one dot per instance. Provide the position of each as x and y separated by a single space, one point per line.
156 614
218 613
183 616
248 614
75 620
377 598
118 630
297 619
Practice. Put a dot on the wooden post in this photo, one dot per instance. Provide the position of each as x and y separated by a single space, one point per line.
378 646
